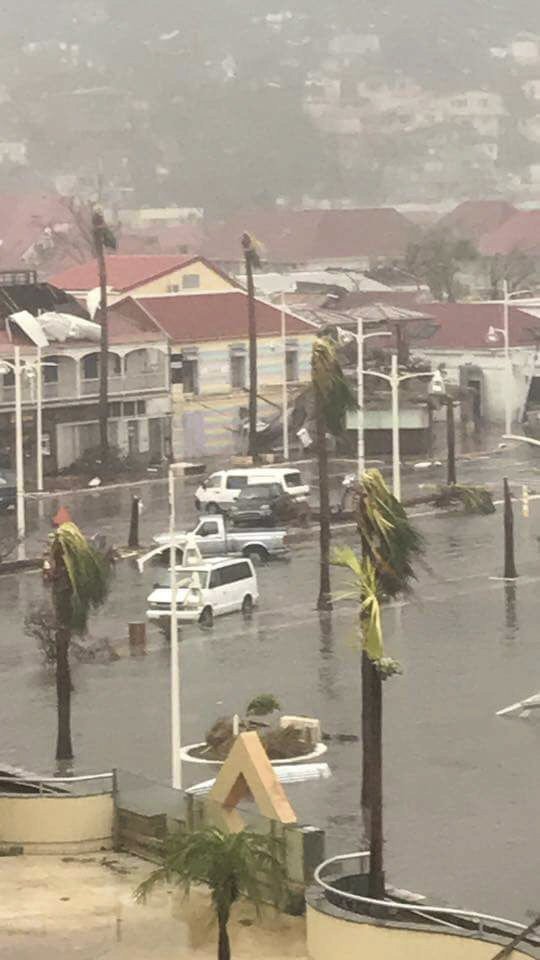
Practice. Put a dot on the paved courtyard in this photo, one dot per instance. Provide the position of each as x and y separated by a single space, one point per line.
53 908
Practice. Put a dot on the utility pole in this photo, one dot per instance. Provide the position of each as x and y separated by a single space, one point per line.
251 259
450 443
510 572
103 238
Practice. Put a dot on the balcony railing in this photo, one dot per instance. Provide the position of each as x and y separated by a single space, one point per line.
67 390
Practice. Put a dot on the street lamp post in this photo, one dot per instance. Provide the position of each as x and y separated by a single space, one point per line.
284 401
395 379
176 717
493 337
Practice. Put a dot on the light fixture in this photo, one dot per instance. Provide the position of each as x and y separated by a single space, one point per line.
437 384
492 335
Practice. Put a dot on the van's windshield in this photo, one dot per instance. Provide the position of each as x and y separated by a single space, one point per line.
187 578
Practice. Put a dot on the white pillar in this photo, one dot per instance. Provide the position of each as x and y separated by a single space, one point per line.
19 457
176 739
508 384
39 421
396 465
360 397
285 412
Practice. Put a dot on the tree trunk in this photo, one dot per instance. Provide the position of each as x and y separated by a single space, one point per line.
366 745
103 406
64 748
376 867
224 947
324 601
450 444
509 562
133 540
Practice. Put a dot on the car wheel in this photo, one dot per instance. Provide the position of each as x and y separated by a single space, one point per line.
247 605
213 508
258 555
206 618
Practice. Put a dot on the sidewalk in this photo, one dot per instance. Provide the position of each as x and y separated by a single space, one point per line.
54 908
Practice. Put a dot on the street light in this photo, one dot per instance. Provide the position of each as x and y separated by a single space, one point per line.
32 368
394 379
176 717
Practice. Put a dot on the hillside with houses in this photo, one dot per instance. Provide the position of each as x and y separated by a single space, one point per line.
227 107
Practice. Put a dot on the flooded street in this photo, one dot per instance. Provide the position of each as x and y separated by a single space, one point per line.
461 785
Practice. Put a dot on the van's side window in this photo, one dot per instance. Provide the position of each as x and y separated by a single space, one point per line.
236 483
293 479
235 572
216 578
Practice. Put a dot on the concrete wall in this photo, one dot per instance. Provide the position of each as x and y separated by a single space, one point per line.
57 824
331 937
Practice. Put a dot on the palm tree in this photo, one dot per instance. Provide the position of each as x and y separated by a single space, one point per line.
79 577
333 397
390 544
232 865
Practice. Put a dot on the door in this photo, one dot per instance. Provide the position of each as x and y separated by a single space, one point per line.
133 437
209 538
217 591
155 439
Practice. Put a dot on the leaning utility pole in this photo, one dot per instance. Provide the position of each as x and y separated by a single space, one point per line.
251 259
103 238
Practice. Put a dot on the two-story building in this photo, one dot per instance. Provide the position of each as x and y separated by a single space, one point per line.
139 386
144 275
208 338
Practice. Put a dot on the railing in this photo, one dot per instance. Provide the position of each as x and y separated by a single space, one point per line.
131 383
478 921
30 786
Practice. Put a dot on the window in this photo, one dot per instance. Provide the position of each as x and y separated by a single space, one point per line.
291 364
238 371
208 529
236 483
191 281
9 377
235 572
177 365
141 407
173 288
215 579
214 482
115 409
90 367
50 370
129 408
293 479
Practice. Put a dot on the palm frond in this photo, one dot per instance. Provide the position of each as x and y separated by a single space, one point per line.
88 572
474 499
391 541
368 594
231 865
330 384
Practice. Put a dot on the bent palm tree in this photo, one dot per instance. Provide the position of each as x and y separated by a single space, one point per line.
232 865
333 397
80 577
390 544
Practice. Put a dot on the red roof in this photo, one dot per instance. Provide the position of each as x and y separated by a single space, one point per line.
473 218
124 272
464 326
192 318
129 324
301 236
520 232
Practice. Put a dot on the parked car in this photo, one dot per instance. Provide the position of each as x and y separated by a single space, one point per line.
212 538
221 489
258 503
207 590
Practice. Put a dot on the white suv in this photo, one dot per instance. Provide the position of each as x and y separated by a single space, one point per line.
206 590
222 488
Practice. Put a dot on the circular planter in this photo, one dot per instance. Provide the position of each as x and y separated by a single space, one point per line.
186 755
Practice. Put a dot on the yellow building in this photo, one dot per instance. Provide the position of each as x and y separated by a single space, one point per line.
145 275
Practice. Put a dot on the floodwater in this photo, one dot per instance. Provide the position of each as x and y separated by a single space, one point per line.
461 785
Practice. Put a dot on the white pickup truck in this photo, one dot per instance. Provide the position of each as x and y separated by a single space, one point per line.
213 539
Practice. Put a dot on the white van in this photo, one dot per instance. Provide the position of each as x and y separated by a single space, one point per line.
207 590
221 489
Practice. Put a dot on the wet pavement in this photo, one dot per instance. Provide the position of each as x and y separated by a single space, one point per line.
461 785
